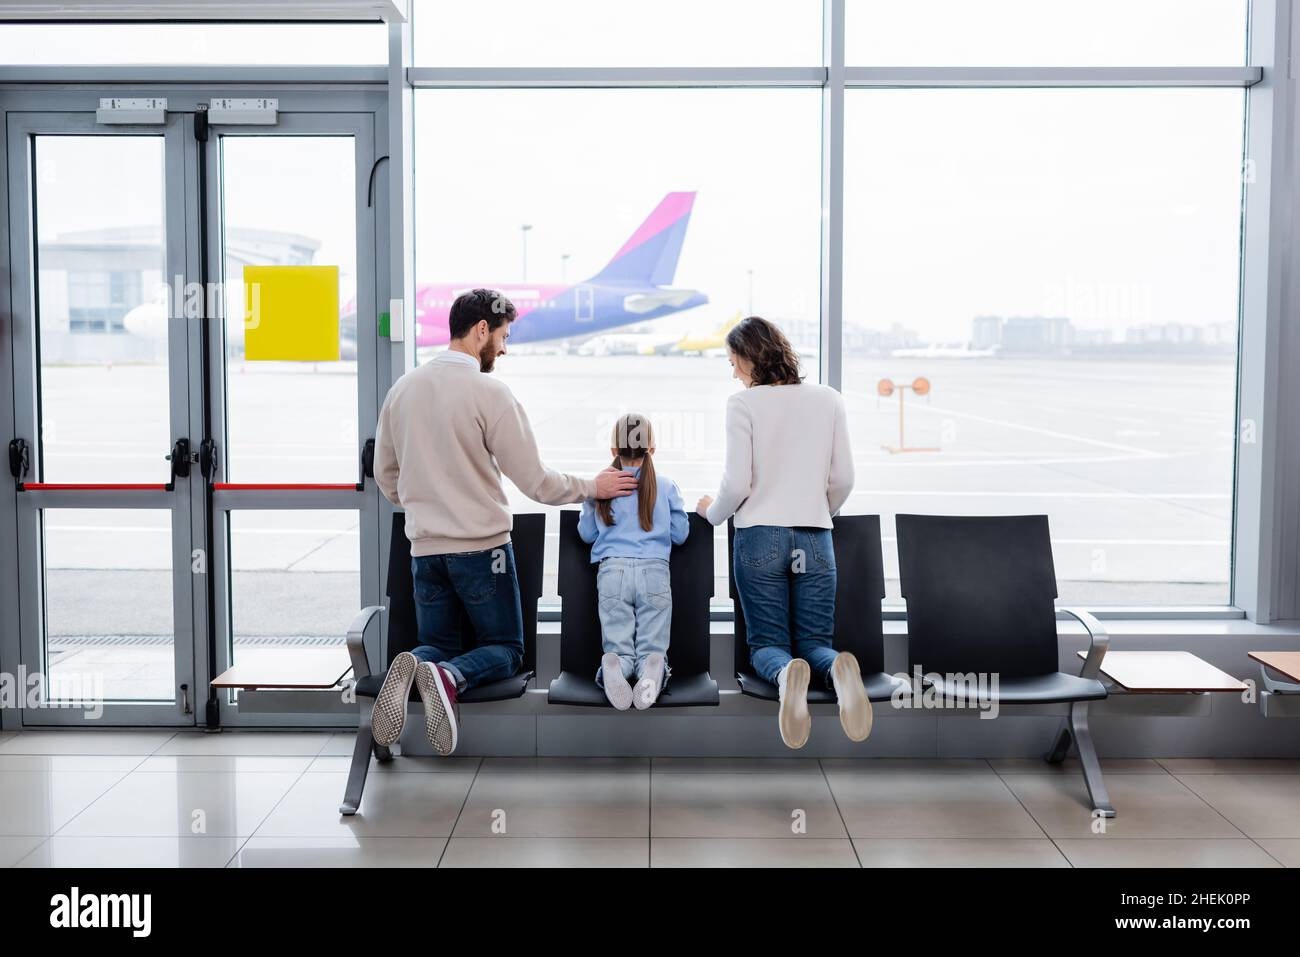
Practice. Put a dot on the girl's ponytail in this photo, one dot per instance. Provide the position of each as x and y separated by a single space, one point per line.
633 439
646 490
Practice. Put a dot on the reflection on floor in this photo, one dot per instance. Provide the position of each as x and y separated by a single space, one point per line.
271 799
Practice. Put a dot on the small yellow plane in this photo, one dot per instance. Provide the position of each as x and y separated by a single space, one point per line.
709 341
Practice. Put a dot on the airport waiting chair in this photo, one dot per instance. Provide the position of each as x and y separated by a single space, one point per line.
981 600
859 627
691 568
528 537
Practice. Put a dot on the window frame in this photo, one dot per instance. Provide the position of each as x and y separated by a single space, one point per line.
1265 535
1252 588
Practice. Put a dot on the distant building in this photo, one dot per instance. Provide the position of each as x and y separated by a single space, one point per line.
90 280
1057 336
986 332
1217 338
1022 335
861 340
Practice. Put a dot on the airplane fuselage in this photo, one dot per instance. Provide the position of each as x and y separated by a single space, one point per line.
558 312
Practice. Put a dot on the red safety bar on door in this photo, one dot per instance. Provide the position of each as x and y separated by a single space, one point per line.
286 487
92 487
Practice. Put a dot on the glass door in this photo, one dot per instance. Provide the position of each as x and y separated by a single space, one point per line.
195 383
100 382
294 396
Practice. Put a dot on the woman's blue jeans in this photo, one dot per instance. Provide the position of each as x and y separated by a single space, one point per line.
786 581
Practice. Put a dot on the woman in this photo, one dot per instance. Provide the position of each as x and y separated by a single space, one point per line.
788 470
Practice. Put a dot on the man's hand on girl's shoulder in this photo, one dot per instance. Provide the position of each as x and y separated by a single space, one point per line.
614 483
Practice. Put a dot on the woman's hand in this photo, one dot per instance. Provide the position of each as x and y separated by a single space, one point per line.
703 505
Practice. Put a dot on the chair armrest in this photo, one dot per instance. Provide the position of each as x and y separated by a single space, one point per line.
1098 641
357 640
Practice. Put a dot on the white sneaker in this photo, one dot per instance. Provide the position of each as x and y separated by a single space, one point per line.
652 679
793 718
855 706
617 690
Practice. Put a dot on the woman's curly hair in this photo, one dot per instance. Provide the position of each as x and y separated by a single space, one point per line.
765 347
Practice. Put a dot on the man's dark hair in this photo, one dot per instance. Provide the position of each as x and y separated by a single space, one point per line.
472 307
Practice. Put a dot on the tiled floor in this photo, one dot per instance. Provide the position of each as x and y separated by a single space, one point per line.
84 799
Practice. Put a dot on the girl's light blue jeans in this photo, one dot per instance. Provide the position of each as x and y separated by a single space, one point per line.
636 611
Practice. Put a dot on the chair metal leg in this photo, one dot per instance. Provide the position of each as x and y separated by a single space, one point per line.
361 752
1061 745
1088 760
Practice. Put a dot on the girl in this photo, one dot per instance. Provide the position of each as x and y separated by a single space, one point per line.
632 538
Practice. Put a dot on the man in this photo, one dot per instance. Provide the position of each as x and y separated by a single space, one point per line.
446 433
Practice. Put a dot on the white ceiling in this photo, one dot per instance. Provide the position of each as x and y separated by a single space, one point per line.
388 10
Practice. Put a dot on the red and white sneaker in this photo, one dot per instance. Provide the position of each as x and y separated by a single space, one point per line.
441 712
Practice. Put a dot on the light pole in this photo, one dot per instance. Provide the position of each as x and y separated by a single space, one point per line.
564 267
523 230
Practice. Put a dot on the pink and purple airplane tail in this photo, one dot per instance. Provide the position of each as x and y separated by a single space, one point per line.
650 254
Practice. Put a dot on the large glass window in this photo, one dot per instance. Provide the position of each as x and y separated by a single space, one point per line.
1045 32
588 33
1061 266
631 228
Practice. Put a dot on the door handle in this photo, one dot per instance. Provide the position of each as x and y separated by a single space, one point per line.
185 700
20 459
180 459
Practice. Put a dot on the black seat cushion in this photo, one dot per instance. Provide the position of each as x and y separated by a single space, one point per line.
504 690
880 687
1055 686
684 692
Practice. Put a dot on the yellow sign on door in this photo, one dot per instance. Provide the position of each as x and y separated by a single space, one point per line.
291 313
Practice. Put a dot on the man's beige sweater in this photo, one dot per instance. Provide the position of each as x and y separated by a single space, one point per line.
446 433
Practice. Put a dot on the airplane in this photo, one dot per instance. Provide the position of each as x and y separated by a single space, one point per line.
635 286
709 343
647 341
149 320
634 342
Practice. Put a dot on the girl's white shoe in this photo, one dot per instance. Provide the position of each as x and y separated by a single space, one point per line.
617 690
652 680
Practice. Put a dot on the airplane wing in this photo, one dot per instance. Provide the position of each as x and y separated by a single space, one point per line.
643 302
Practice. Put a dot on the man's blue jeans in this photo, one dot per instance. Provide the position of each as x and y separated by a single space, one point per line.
786 581
486 586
